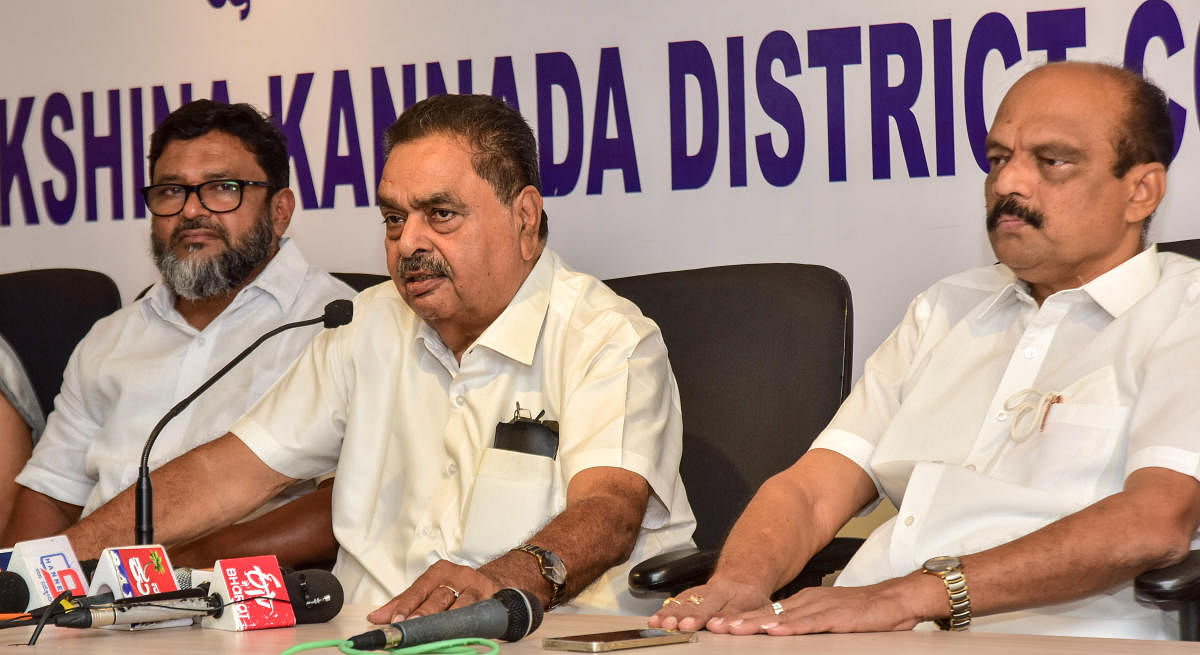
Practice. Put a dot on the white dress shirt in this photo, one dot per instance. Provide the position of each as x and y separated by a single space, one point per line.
417 478
15 386
136 363
984 417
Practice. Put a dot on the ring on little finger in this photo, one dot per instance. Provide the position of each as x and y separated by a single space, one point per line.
777 608
671 601
450 589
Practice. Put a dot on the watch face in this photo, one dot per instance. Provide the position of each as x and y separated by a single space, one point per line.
942 564
553 568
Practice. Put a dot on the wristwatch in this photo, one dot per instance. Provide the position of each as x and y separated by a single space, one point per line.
552 569
949 569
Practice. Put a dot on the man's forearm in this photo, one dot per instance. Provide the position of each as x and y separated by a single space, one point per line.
206 488
591 535
791 517
37 515
298 533
1147 526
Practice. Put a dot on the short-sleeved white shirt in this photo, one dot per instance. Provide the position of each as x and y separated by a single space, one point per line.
928 421
136 363
18 390
411 430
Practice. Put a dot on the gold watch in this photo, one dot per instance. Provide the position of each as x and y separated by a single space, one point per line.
949 569
552 569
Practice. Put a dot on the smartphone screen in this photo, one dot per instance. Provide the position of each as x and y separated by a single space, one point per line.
619 639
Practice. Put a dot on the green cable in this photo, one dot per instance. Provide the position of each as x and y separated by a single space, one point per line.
464 646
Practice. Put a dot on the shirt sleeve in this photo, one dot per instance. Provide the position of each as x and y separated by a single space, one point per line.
58 466
856 428
1163 422
16 387
296 428
622 409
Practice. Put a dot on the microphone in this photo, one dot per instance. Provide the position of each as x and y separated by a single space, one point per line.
39 570
316 597
140 611
337 313
509 615
14 593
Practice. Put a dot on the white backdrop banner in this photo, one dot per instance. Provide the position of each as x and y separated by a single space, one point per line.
673 134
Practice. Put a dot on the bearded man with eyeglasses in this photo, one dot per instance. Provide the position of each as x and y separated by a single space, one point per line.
219 204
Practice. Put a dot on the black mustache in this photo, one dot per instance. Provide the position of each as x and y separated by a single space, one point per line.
197 224
1011 207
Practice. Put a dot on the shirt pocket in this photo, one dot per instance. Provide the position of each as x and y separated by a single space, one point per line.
513 496
1077 454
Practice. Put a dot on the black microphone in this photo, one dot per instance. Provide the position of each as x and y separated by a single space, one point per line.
14 593
339 312
509 615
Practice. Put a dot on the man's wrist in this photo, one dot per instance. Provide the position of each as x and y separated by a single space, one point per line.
513 569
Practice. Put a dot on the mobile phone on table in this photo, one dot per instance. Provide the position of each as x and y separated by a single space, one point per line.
618 640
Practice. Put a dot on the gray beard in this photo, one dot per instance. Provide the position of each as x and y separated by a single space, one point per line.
199 278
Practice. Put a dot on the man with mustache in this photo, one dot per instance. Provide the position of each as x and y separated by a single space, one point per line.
1033 421
219 206
496 418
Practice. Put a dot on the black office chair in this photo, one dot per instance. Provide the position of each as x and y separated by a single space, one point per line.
46 312
360 281
762 355
1176 587
1189 247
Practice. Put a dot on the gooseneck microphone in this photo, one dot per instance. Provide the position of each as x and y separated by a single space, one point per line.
339 312
509 615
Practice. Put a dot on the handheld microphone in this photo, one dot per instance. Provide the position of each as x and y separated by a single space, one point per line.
337 313
509 615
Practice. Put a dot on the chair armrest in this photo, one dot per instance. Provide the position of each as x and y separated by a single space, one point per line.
672 572
1179 582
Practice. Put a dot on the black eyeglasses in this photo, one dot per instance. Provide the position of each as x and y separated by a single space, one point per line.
217 196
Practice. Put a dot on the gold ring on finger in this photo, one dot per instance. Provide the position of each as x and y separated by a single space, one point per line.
671 601
450 589
695 599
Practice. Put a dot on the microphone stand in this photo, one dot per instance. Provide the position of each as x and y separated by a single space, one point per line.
336 313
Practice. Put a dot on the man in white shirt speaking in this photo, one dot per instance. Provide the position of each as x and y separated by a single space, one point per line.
496 418
1034 421
219 205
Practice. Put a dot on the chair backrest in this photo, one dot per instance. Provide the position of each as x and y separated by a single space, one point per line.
360 281
762 355
46 312
1189 247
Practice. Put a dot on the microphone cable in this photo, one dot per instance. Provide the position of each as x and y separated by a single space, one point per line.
461 646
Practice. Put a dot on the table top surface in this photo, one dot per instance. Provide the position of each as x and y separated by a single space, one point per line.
352 621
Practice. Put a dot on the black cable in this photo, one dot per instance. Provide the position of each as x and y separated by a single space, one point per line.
46 616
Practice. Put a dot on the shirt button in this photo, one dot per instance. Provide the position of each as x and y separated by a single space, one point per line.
200 341
970 467
460 401
908 520
451 469
1030 353
426 532
1001 415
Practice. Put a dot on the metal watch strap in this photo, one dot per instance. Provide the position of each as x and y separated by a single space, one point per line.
556 588
956 589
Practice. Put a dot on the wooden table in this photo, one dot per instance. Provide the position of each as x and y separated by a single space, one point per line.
352 621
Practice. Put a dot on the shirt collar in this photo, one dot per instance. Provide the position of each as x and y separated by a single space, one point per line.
282 279
1115 291
515 331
